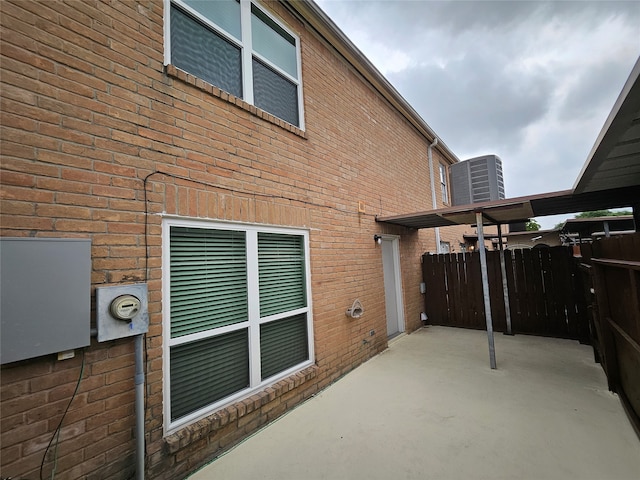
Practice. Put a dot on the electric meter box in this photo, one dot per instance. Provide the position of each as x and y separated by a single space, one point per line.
45 296
121 311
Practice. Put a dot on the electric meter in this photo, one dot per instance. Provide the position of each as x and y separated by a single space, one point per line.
125 307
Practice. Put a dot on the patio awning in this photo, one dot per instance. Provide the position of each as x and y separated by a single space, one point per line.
519 209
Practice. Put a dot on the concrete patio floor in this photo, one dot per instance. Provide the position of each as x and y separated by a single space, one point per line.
429 407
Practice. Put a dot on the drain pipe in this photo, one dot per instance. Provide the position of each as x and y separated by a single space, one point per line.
433 189
139 385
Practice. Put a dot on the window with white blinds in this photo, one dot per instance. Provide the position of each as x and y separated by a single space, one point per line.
237 315
237 46
281 273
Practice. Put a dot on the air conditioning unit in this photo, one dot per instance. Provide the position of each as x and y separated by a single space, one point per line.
476 180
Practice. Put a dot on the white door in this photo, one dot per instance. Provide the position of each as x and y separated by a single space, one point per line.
392 285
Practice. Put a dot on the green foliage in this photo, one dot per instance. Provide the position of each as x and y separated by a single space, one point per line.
602 213
532 225
596 214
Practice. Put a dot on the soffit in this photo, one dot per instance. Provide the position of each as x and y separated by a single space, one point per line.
614 160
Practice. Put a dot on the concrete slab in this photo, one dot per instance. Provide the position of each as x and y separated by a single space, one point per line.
429 407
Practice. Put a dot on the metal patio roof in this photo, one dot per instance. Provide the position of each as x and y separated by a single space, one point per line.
520 208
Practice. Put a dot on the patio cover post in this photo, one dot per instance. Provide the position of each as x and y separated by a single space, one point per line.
485 290
505 287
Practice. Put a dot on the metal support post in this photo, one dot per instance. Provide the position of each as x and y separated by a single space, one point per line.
485 290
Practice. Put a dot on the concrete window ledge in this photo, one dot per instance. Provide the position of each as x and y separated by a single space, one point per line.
265 405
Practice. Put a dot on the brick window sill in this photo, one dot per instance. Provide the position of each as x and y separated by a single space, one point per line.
234 412
174 72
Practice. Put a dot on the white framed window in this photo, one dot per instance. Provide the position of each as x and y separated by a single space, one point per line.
443 183
240 48
236 313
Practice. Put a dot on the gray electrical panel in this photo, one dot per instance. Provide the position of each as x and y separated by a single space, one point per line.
477 180
45 296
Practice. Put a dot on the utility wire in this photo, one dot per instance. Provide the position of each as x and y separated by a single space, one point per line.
56 433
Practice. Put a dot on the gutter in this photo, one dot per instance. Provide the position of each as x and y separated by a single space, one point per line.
433 188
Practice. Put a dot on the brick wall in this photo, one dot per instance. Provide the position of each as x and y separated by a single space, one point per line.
93 123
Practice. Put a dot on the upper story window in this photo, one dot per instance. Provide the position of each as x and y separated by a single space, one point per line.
239 48
443 184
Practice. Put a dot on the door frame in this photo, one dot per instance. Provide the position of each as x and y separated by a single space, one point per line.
393 241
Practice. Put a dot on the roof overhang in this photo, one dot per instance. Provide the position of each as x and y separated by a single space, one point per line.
614 160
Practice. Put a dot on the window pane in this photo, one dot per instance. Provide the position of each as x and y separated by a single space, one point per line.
274 93
283 344
273 43
206 371
224 13
198 50
281 268
208 275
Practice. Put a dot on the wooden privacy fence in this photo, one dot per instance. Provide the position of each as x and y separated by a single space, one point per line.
612 266
545 292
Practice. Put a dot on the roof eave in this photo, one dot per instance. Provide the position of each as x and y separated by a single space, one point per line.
328 30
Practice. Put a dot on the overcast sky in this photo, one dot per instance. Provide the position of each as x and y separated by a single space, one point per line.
532 82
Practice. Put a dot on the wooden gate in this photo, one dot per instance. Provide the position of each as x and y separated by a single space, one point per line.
545 292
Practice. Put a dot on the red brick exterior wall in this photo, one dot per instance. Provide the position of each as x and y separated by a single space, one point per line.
89 112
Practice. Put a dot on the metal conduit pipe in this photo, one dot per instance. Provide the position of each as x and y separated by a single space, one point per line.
433 188
139 399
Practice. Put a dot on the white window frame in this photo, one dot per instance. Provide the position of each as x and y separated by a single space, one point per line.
443 183
445 247
245 45
253 324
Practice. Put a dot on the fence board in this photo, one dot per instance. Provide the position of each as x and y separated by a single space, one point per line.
553 305
496 294
517 293
474 287
452 301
